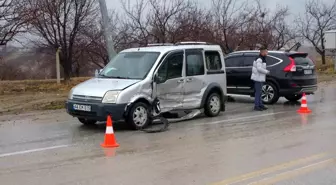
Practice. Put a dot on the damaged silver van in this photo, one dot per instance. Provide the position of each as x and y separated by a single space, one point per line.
187 76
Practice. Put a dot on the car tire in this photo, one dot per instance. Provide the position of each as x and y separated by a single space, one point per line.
270 93
212 106
294 97
87 122
139 116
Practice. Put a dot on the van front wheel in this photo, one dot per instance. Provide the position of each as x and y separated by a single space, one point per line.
139 116
213 105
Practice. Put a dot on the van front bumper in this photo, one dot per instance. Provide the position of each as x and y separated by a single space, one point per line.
99 111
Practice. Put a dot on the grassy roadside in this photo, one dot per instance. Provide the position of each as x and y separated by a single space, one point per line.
31 95
37 86
326 72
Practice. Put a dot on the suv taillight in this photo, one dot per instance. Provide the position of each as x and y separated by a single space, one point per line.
291 67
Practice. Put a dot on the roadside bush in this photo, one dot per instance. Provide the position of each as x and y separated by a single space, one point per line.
328 68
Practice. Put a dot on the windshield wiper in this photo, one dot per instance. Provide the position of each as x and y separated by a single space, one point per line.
118 77
102 75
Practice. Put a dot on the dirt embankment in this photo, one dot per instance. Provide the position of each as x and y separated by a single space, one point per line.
24 96
35 95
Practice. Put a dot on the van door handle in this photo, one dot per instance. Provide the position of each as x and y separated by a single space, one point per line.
189 79
180 81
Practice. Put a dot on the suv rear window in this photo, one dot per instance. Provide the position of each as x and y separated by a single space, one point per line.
302 59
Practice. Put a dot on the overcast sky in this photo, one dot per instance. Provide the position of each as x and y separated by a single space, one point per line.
296 6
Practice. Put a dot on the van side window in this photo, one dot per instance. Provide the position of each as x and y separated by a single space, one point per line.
195 63
213 60
172 67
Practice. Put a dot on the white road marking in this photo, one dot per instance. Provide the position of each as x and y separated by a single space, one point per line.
247 117
32 151
293 171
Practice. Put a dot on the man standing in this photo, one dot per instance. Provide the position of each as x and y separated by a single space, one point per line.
259 73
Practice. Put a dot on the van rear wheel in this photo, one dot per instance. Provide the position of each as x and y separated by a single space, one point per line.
212 107
87 122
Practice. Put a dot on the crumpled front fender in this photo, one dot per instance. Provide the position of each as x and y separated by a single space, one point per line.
136 98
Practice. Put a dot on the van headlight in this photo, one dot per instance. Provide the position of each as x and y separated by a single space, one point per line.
111 97
70 95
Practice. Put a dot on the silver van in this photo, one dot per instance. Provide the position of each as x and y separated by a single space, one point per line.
187 75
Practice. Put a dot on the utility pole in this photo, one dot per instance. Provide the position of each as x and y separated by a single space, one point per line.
108 37
3 47
58 71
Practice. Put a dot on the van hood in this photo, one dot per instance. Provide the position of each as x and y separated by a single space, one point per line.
99 86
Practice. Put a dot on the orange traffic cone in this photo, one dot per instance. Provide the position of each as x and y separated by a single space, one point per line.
304 107
110 140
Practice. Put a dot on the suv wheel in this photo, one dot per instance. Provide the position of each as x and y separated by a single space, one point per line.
269 94
294 97
139 116
87 122
213 105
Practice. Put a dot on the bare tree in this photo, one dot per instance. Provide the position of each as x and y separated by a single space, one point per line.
193 24
138 22
91 42
58 22
153 20
265 27
231 16
11 22
283 34
318 18
274 30
163 15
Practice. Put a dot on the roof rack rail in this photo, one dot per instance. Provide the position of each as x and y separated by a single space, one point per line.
193 43
161 44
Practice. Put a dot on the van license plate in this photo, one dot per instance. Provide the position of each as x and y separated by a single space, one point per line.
308 72
85 108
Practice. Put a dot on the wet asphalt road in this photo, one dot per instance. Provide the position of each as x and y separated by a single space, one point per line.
277 146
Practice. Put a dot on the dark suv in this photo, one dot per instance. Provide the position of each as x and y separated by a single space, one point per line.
291 75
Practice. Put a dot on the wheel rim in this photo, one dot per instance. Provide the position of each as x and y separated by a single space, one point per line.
140 116
267 93
214 104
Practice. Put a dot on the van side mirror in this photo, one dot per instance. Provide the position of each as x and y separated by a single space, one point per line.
158 79
97 71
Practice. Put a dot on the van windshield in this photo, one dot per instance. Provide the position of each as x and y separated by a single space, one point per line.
130 65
